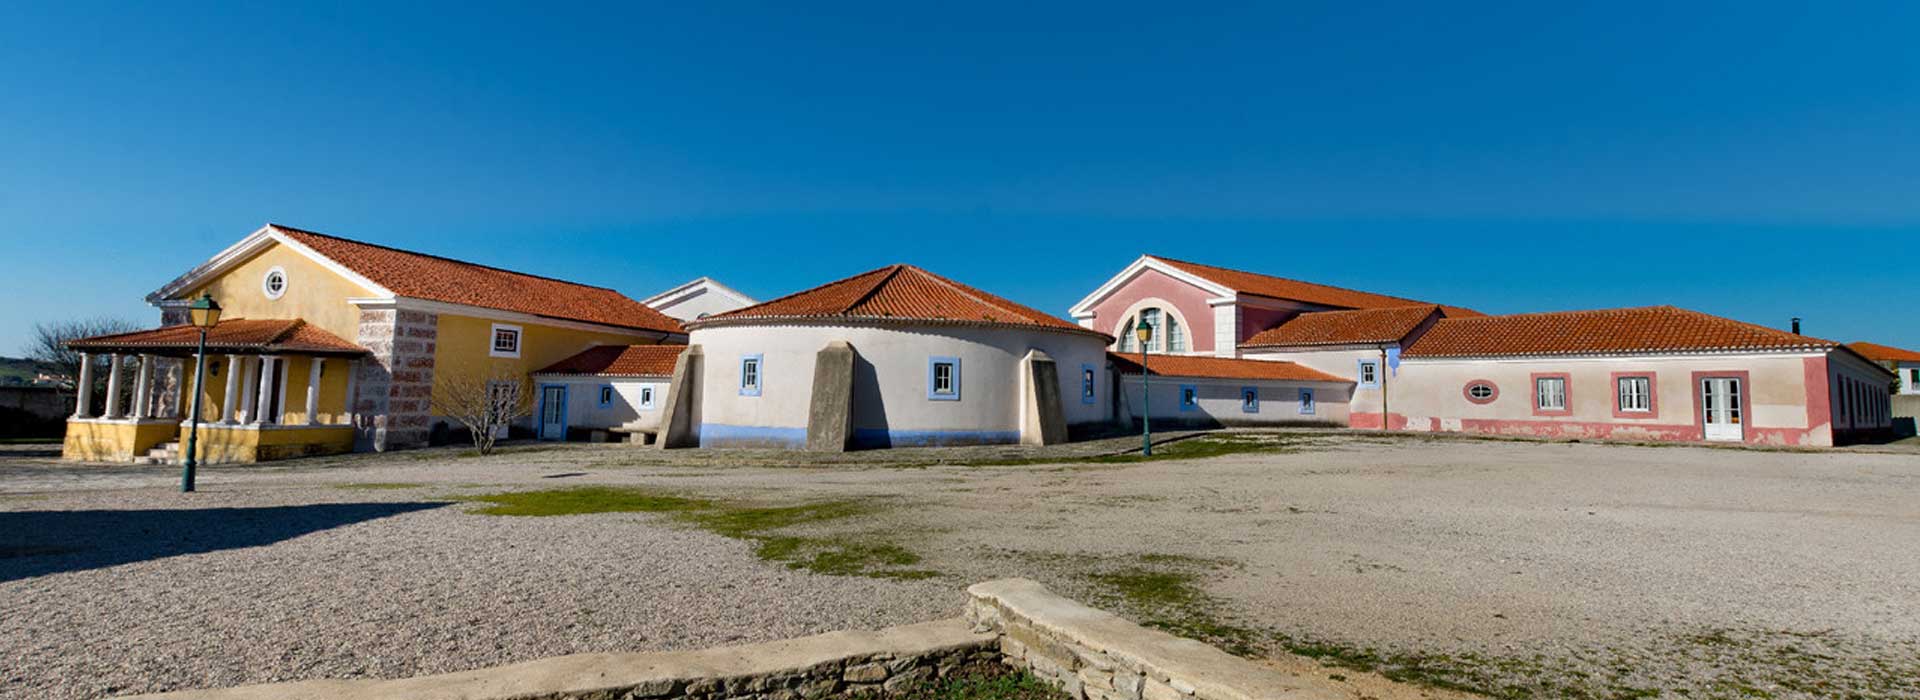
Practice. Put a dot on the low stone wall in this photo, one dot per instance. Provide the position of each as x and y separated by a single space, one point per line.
836 664
1097 655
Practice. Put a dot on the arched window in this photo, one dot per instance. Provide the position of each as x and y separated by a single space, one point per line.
1176 336
1151 317
1168 335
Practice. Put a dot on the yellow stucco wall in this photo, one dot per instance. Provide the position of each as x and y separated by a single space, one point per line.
464 342
118 441
333 390
228 445
313 292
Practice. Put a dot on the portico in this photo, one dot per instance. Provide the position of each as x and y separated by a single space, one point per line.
273 389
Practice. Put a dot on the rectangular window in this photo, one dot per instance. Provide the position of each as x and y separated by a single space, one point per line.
606 395
1189 397
506 341
1913 381
1636 394
750 375
646 396
1306 402
1550 393
1249 399
943 378
1369 373
1086 384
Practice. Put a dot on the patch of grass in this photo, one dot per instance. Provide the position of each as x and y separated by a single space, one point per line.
379 486
583 500
836 555
979 685
1198 447
30 441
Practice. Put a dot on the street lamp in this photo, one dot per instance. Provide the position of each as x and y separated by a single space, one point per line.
203 313
1145 333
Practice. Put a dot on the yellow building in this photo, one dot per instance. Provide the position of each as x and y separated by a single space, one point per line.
329 345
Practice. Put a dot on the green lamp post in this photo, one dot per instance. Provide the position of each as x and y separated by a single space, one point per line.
1145 333
203 313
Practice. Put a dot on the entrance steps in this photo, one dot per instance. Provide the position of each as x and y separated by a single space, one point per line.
165 453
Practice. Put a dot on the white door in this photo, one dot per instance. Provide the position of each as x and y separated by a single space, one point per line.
553 412
1720 408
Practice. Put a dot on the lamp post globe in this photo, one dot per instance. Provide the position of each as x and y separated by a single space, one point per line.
1144 332
203 314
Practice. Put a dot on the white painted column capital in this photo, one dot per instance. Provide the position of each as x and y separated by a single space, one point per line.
83 389
230 405
313 389
113 385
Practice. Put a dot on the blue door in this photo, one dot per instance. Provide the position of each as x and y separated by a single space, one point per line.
553 412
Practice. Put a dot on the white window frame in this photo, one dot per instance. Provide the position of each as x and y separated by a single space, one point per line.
267 289
646 396
1637 401
1368 373
1540 394
493 340
754 367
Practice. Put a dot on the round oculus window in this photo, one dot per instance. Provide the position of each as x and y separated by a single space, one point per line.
275 283
1481 391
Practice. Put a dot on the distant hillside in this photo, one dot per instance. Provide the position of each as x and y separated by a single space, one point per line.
16 370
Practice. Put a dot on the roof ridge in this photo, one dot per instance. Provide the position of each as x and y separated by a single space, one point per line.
456 261
1572 311
740 312
1756 326
1412 302
893 271
971 293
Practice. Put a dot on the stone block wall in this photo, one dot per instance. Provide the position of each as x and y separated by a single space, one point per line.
393 387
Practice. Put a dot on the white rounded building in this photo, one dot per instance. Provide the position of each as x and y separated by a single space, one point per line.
893 357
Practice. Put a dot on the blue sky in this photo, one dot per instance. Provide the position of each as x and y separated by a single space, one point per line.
1757 160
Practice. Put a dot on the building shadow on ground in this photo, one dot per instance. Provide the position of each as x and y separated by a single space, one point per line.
38 543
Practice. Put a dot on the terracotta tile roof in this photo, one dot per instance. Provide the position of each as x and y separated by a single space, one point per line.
620 361
435 278
1384 325
1884 353
897 293
237 335
1648 329
1257 284
1219 368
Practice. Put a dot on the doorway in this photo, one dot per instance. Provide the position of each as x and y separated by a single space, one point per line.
553 412
1720 409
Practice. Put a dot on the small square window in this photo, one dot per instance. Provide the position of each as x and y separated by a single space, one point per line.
1369 373
1306 402
1189 397
1550 393
1249 399
1635 394
606 395
646 396
750 375
506 341
943 378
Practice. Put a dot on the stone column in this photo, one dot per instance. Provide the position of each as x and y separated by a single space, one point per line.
143 388
265 399
230 407
113 385
313 389
353 387
83 390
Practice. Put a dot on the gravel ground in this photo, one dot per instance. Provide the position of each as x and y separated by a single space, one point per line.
1559 568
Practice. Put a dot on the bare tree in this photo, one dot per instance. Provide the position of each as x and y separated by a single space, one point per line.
486 402
49 343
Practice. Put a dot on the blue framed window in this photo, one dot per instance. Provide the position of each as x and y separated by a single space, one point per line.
1249 399
752 374
1086 384
1306 402
1368 373
606 395
646 396
943 378
1189 397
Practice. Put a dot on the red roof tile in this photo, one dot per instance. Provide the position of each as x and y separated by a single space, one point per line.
1219 368
435 278
1385 325
263 336
620 361
897 293
1649 329
1257 284
1884 353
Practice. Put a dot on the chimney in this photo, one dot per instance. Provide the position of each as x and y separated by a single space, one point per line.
1796 325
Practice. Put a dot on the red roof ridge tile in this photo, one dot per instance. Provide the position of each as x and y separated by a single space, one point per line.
900 292
1883 353
456 261
1176 262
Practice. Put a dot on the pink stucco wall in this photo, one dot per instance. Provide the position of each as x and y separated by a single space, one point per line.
1191 302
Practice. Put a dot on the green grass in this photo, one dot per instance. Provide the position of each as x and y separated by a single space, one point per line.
979 685
50 440
1199 447
836 555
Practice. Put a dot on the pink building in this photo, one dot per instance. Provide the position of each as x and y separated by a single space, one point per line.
1652 373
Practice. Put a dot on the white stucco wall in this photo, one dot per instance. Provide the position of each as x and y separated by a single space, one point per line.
1220 402
1340 362
583 401
890 397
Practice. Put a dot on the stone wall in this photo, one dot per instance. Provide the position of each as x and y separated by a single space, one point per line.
393 386
1095 655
